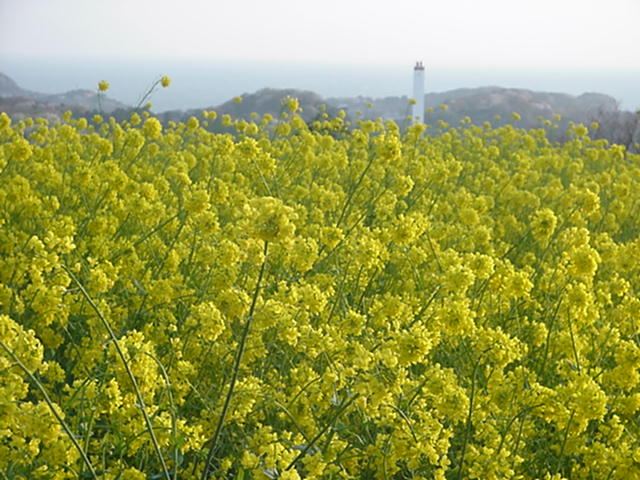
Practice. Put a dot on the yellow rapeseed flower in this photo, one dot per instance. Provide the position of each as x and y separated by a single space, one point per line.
103 86
152 128
272 220
583 261
292 104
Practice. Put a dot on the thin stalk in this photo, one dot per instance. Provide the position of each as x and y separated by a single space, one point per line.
564 441
347 204
87 437
127 367
424 308
302 390
236 368
174 426
521 414
264 180
548 340
100 111
48 401
573 341
516 444
387 445
142 239
467 432
405 418
147 94
321 432
292 418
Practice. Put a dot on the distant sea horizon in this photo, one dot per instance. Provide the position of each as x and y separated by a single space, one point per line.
202 84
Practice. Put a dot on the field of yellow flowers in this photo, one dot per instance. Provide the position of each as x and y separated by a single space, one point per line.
315 301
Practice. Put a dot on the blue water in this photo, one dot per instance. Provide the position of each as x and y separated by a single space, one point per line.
204 84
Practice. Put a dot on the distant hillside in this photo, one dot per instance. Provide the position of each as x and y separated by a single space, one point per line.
484 104
264 101
480 104
19 108
19 102
9 88
497 104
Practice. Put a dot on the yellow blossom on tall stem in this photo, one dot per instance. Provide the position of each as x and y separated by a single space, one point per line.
103 86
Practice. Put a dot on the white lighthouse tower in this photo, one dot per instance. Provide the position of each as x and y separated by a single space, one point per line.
418 93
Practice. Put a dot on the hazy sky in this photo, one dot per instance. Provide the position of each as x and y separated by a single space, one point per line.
451 33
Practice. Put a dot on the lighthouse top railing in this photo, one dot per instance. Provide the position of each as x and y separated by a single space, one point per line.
419 66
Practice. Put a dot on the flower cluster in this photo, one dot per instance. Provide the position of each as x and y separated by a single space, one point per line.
320 300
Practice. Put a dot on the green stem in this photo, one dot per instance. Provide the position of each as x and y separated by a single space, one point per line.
174 426
549 331
467 432
322 432
564 441
48 401
127 367
148 93
100 111
347 203
405 418
573 341
236 368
